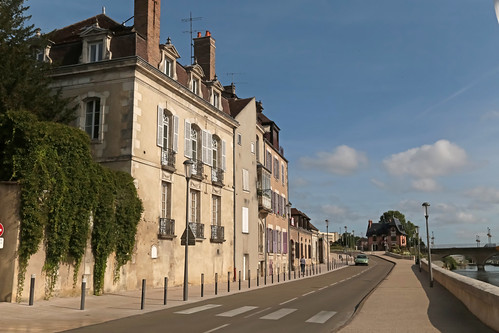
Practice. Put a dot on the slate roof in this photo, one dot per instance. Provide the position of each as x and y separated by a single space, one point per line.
383 228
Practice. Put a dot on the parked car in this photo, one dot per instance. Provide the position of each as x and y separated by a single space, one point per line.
361 259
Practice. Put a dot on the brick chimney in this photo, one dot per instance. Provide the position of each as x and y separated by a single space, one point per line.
370 224
204 52
147 24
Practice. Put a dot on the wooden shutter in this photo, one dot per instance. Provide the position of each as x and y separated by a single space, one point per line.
204 148
209 147
159 134
285 242
223 155
175 133
274 242
187 136
245 228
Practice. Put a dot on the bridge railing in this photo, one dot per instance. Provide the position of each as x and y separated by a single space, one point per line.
449 246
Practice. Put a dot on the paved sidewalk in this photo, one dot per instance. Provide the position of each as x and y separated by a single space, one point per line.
59 314
404 302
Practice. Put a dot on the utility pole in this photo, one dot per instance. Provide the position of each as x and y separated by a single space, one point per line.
190 19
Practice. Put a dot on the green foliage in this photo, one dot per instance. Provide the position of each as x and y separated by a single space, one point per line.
450 263
24 84
387 216
61 189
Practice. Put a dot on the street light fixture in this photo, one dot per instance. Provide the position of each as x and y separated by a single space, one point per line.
188 173
327 241
288 206
419 249
426 205
346 238
477 241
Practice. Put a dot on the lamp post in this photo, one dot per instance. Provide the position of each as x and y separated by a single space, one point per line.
419 249
327 241
353 240
288 206
346 238
188 173
425 206
477 241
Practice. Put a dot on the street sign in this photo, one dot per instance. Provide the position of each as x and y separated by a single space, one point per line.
1 229
1 242
192 238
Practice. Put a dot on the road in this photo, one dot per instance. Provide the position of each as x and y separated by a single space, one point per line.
322 303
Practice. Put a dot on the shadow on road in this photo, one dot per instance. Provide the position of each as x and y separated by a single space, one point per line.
445 311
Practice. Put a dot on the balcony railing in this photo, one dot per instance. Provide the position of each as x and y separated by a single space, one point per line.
265 200
217 234
197 229
217 176
197 169
168 158
166 228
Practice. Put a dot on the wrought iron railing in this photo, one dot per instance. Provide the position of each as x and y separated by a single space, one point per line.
168 158
166 228
217 176
217 234
265 199
197 169
197 229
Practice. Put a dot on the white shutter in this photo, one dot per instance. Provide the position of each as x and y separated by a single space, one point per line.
223 155
175 133
209 148
187 136
245 220
204 143
159 135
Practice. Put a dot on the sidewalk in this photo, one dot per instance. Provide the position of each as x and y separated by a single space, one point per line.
404 302
59 314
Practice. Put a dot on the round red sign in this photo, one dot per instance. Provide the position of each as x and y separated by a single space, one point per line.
1 229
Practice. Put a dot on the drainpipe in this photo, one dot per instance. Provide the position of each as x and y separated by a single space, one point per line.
234 188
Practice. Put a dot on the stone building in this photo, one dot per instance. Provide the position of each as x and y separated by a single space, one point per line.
385 235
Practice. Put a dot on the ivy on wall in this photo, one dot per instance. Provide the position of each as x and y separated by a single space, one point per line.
63 192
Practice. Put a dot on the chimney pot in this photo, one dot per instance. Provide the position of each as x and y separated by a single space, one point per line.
208 33
199 34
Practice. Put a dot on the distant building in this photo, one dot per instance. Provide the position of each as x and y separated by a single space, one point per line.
385 235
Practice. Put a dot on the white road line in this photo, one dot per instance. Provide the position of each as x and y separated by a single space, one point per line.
278 314
310 292
332 284
258 312
237 311
217 328
321 317
198 309
323 288
290 300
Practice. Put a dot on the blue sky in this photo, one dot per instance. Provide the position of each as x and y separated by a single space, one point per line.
382 105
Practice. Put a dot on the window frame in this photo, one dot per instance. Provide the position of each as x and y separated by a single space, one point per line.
90 128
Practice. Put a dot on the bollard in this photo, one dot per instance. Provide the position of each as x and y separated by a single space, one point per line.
142 300
228 282
165 290
83 292
278 274
258 277
284 276
265 278
272 277
294 273
249 278
239 280
32 289
202 284
216 283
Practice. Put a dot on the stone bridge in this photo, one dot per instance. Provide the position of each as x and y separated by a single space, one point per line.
479 254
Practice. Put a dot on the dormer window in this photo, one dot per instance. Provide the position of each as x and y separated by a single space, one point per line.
95 51
169 56
195 86
168 68
216 100
96 44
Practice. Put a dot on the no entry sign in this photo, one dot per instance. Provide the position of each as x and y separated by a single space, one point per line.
1 229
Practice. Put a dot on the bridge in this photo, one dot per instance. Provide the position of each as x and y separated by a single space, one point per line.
479 254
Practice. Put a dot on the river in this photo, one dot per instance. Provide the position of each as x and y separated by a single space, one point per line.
491 274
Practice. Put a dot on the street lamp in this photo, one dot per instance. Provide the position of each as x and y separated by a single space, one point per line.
477 241
188 173
419 249
426 205
288 206
327 241
346 238
353 240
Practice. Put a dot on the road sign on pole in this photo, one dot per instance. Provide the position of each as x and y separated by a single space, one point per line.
1 229
192 238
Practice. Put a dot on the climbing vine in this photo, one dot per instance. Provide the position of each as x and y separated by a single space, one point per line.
62 191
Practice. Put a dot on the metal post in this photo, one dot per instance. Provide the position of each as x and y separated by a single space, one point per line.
186 261
83 292
32 289
239 280
278 273
165 290
425 205
249 278
257 277
202 284
228 282
216 283
142 299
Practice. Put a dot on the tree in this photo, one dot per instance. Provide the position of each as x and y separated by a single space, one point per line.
409 227
24 83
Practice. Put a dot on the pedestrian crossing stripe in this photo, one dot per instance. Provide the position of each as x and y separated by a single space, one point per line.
237 311
321 317
278 314
198 309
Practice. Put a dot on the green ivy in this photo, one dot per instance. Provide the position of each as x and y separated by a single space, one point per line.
62 191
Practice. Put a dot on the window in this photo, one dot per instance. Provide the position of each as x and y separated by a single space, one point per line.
168 69
216 213
239 139
92 118
214 147
95 51
252 148
245 220
195 209
195 86
257 149
216 100
285 242
268 161
165 200
279 241
245 180
282 174
276 168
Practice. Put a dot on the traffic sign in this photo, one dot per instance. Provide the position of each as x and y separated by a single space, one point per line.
192 238
1 229
1 242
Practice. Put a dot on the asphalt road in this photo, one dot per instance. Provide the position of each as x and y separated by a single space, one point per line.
319 304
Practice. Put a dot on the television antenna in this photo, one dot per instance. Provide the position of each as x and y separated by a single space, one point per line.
190 19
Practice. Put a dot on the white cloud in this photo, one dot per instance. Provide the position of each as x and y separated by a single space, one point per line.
343 161
425 163
454 215
492 115
378 183
484 194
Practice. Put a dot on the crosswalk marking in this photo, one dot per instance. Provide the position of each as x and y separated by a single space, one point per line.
278 314
289 300
321 317
236 312
198 309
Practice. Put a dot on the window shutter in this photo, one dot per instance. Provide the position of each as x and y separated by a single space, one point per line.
209 147
159 135
245 220
285 242
223 155
275 242
175 133
187 136
204 143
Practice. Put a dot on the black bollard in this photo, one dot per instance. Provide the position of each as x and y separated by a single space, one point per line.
257 277
202 284
165 290
239 280
142 300
228 282
278 274
83 292
249 278
32 289
216 283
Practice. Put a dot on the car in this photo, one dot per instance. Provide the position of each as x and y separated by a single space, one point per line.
361 259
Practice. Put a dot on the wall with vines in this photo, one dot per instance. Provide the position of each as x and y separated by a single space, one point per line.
66 198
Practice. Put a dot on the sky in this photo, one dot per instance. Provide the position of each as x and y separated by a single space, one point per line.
382 105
